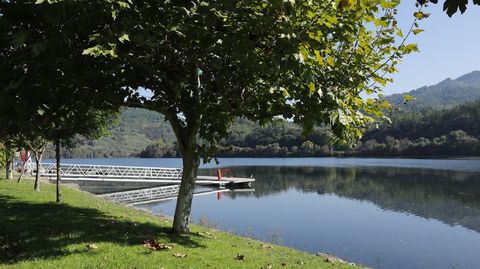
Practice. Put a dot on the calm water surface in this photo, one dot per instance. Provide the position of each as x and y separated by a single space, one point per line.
382 213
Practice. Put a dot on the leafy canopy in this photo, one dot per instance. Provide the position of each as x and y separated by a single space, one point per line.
49 90
208 62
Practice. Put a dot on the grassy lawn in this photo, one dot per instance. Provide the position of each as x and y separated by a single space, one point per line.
89 232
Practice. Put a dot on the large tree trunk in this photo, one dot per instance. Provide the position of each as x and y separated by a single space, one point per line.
186 132
191 162
57 156
8 159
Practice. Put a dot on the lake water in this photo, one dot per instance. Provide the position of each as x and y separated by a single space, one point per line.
381 213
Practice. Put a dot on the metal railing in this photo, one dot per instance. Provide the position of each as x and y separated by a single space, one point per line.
110 171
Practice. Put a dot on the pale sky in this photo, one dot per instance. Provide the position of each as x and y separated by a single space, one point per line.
449 47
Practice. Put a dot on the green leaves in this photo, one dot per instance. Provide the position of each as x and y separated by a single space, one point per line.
408 98
380 80
52 91
124 38
417 31
386 4
99 50
421 15
406 49
307 61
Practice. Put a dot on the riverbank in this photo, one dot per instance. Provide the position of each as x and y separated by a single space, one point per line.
89 232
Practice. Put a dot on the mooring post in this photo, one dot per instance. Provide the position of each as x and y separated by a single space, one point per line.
219 173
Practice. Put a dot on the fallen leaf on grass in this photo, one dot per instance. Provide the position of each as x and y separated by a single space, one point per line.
92 246
267 246
240 257
284 264
153 244
300 262
179 255
268 266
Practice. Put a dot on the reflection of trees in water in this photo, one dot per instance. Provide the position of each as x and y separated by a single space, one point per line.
452 197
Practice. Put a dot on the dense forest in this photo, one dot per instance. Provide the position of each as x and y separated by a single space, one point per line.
429 132
443 120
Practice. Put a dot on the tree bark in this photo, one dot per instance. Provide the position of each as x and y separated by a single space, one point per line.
23 168
191 162
38 161
57 156
186 132
8 159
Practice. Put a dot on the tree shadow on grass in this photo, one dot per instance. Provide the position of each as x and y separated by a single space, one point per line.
43 230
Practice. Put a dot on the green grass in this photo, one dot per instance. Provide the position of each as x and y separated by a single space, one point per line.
36 232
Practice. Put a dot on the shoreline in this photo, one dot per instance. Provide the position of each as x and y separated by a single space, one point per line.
89 231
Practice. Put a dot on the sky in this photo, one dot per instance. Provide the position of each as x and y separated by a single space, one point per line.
449 47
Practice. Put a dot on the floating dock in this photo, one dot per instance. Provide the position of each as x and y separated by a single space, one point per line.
115 173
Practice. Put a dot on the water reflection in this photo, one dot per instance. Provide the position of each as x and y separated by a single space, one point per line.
452 197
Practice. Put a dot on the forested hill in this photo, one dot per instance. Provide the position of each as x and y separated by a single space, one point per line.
135 130
445 94
428 132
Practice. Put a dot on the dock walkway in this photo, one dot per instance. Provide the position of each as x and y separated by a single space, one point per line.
115 173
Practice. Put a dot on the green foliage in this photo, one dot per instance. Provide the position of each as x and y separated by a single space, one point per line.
215 61
49 91
455 143
448 132
160 150
430 123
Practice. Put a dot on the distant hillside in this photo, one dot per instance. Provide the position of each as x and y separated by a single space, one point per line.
430 123
428 132
445 94
136 129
